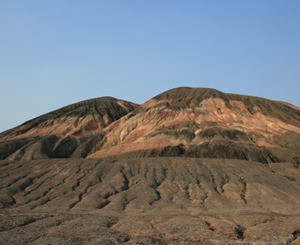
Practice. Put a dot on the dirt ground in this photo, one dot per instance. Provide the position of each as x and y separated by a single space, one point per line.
149 201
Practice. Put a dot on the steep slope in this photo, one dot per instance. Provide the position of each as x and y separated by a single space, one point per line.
61 132
199 122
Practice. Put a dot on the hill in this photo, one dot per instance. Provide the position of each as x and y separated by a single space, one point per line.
59 133
189 166
182 122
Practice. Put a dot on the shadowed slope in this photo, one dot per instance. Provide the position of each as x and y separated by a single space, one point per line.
60 132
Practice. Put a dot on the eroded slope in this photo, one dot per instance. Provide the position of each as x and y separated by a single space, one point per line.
70 131
171 200
197 122
182 122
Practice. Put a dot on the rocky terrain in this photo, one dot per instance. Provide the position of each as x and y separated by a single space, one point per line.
59 133
149 201
206 123
183 122
189 166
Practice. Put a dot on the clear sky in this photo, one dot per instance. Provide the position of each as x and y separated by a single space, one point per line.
57 52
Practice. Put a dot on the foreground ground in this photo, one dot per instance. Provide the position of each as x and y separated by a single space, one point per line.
149 201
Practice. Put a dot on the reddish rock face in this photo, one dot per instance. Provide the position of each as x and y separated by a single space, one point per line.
191 122
61 132
206 123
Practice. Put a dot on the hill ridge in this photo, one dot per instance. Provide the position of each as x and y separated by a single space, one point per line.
184 121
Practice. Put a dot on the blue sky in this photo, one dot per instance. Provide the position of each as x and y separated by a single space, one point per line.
57 52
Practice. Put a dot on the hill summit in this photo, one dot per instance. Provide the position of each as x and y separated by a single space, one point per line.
181 122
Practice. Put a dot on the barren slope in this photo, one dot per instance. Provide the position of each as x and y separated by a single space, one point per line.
154 200
182 122
198 122
65 132
190 166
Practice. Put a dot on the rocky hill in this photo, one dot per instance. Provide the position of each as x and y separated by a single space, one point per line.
182 122
189 166
59 133
194 122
